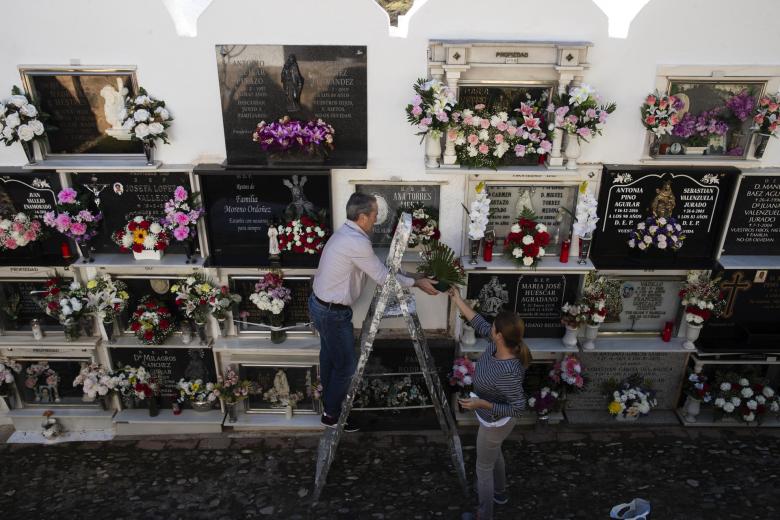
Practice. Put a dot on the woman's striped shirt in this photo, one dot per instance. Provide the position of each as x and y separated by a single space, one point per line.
499 381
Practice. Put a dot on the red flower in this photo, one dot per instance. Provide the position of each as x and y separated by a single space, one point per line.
164 324
138 248
123 249
148 335
131 226
160 246
53 306
135 326
178 302
51 281
542 238
144 224
531 250
526 223
163 310
436 234
54 291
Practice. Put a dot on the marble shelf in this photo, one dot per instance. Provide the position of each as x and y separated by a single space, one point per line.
52 340
276 421
109 261
128 340
636 344
750 261
72 419
138 422
707 419
103 164
305 345
536 345
548 264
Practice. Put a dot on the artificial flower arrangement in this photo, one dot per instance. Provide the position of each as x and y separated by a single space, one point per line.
526 240
74 218
67 303
439 262
303 235
404 392
585 214
146 118
151 322
659 113
182 213
431 108
106 297
766 115
231 389
195 296
544 401
222 302
531 140
96 380
144 237
271 296
578 112
18 231
593 303
697 386
277 400
573 315
657 232
479 214
462 375
568 374
736 396
20 121
133 383
40 374
197 392
290 137
631 398
697 129
701 297
7 370
425 225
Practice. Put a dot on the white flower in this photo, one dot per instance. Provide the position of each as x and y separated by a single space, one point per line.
527 260
728 407
162 113
141 100
541 227
12 120
127 240
528 239
736 401
725 387
25 133
752 404
18 100
517 252
141 115
644 408
36 126
515 228
747 392
719 402
29 110
155 228
744 382
156 128
749 417
661 244
8 132
761 399
141 130
541 251
767 391
641 225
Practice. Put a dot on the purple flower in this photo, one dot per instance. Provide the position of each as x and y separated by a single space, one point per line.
427 121
67 196
85 216
416 110
520 150
417 100
180 194
741 105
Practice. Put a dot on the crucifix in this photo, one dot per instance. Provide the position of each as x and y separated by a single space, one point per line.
733 287
95 190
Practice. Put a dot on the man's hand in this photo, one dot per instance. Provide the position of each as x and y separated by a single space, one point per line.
426 285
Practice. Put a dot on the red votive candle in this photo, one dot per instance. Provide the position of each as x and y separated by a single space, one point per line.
564 258
666 335
487 251
65 250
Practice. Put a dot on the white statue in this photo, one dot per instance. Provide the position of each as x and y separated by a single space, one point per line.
114 109
523 202
279 395
273 242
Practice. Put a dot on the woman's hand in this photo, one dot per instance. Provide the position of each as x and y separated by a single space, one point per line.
454 293
475 403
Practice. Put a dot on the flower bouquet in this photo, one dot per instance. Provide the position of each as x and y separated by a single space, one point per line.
296 140
765 121
147 119
201 396
530 141
20 121
106 298
425 225
698 130
67 304
629 399
270 297
303 235
223 302
585 219
526 240
439 262
195 296
403 392
662 233
43 381
479 214
18 231
568 374
736 397
572 316
483 139
462 375
593 305
231 390
182 213
146 238
75 219
659 114
579 114
97 382
544 402
151 322
701 297
431 107
7 370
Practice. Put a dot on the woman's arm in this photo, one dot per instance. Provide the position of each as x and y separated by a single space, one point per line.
481 326
511 386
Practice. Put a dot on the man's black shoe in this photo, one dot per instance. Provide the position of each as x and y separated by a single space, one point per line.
332 422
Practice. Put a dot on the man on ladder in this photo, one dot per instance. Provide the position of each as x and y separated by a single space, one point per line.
346 260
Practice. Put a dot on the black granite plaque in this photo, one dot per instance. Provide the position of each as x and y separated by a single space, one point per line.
32 193
536 298
156 287
547 203
754 228
240 205
391 197
266 398
696 197
16 297
295 313
58 391
125 195
167 366
305 82
499 98
749 322
78 111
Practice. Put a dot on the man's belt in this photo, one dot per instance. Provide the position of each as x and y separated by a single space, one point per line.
333 306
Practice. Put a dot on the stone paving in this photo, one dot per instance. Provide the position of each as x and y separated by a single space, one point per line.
554 473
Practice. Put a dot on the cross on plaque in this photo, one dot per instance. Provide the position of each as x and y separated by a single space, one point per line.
733 287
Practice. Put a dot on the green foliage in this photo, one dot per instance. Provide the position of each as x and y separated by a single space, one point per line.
440 262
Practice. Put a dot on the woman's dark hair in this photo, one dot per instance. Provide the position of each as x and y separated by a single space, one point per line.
512 328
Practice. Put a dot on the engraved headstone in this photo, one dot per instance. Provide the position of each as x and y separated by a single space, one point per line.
754 228
392 197
56 391
269 398
641 304
296 312
17 296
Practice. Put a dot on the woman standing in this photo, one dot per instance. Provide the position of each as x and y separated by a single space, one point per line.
498 384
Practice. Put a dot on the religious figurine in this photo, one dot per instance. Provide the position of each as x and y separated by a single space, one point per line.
280 393
273 243
492 297
523 202
299 204
114 109
196 369
664 202
292 82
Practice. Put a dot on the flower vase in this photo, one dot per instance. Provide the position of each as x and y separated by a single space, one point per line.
570 337
432 149
288 412
201 328
189 250
87 324
584 248
128 402
147 254
591 333
186 332
222 322
232 410
104 401
761 141
450 157
202 406
574 247
154 406
29 151
149 151
468 336
72 330
655 145
572 151
691 335
110 327
692 409
87 251
474 251
277 321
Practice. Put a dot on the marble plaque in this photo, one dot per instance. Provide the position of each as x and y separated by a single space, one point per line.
278 385
499 98
754 228
390 198
58 391
295 313
641 304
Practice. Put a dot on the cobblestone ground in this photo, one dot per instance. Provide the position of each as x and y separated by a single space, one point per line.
553 474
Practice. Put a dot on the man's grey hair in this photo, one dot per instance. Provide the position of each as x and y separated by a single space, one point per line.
360 204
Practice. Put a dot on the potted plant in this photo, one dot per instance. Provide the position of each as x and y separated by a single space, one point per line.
147 119
630 398
21 121
146 238
182 213
151 322
697 390
200 395
431 112
290 140
107 298
271 297
75 218
231 391
580 115
702 299
439 262
67 303
738 399
526 240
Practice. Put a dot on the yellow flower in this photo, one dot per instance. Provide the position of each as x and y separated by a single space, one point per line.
584 187
615 407
123 295
195 387
174 288
205 287
480 187
139 234
91 284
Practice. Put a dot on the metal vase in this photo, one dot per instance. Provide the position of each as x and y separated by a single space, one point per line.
584 249
149 152
277 336
189 250
29 151
474 251
154 406
110 328
201 328
762 141
232 409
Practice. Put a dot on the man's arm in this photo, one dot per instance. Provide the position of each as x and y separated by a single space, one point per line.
365 260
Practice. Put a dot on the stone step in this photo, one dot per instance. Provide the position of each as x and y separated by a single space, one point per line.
138 422
72 419
276 421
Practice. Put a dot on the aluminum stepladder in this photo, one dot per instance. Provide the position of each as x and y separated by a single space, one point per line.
389 291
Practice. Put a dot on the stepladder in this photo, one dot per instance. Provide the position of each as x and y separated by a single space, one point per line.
392 294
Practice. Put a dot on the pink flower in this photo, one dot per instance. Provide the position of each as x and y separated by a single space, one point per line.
485 123
452 134
48 218
773 107
181 218
603 115
18 227
546 146
78 229
650 100
10 243
442 116
473 139
85 216
483 148
512 130
530 122
499 138
62 222
67 196
584 132
501 126
181 232
30 236
591 113
35 225
180 194
479 106
561 111
416 111
426 121
526 109
468 120
417 99
520 150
